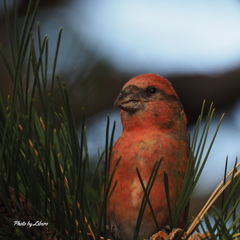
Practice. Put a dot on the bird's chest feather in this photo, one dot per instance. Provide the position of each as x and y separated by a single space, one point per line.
141 152
136 153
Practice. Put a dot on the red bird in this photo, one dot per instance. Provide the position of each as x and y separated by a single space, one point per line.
150 115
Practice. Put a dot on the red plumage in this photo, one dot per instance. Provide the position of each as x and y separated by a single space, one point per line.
150 115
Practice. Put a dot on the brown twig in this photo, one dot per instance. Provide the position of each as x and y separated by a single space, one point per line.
218 191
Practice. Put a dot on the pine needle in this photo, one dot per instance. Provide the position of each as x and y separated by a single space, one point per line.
217 192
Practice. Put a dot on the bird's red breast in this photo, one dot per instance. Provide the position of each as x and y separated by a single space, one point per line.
150 115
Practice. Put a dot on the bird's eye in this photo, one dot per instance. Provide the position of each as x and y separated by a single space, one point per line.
152 90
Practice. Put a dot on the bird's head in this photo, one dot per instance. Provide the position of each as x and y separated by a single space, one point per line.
149 100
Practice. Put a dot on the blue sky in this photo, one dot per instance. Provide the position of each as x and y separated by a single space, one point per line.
171 36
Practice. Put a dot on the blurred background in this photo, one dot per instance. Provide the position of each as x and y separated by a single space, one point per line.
194 44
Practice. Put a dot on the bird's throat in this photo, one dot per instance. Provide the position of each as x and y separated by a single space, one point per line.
144 121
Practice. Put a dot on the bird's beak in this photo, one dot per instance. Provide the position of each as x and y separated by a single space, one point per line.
122 98
129 99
